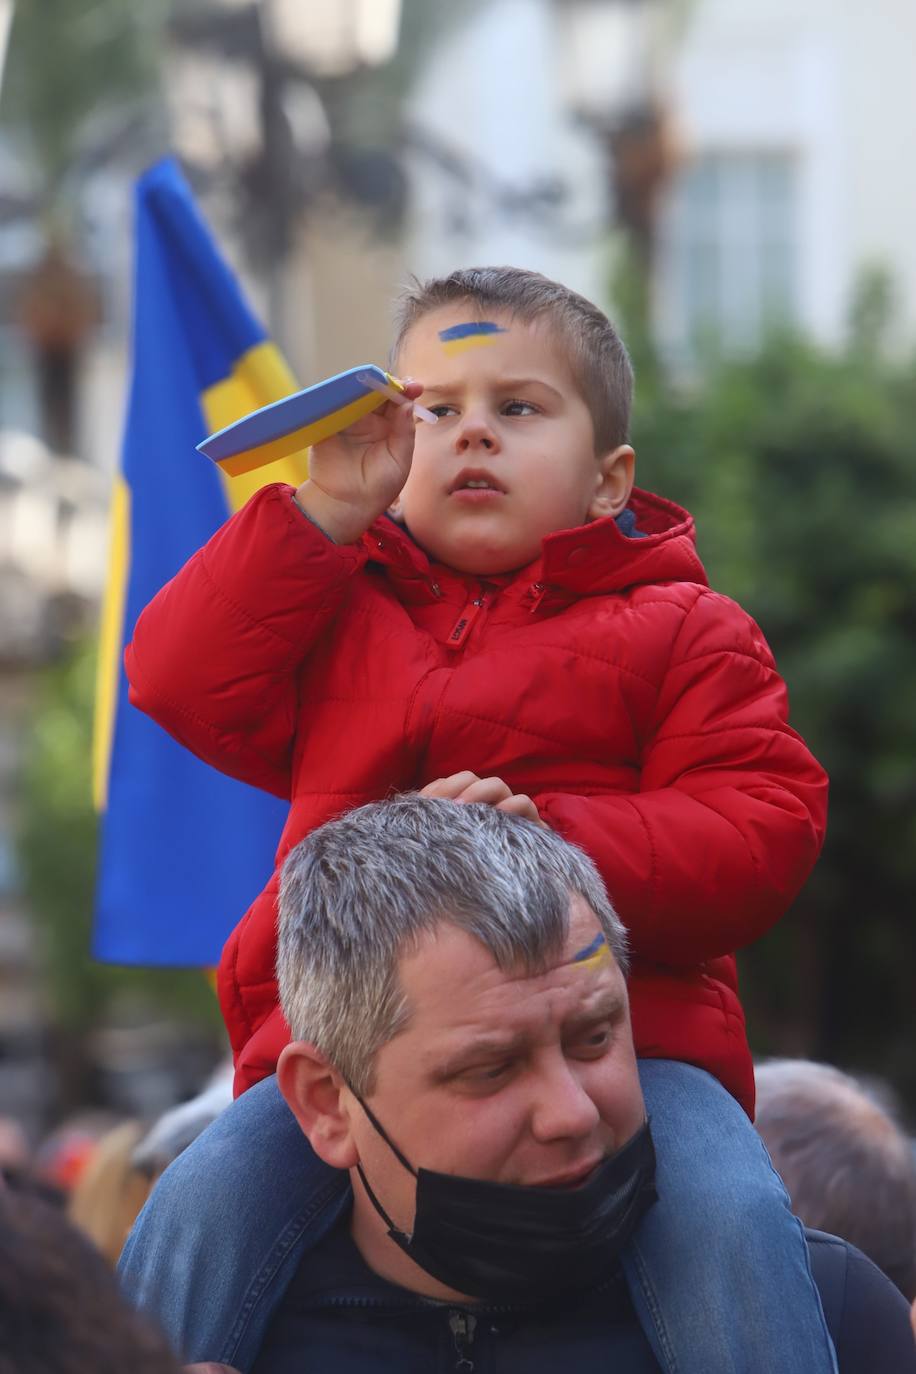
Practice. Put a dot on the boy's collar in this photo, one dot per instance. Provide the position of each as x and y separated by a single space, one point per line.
598 557
601 557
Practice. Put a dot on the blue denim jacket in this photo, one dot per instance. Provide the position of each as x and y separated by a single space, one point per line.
214 1291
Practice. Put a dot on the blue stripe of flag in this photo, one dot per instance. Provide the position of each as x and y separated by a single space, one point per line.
184 850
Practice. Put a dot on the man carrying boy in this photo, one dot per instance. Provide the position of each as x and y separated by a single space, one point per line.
527 629
463 1067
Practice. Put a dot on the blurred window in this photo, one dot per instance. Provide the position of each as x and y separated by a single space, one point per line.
729 251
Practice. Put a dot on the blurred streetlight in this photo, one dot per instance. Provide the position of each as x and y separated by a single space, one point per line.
252 99
332 37
610 56
615 53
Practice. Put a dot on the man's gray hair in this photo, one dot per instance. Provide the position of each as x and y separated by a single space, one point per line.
360 891
847 1165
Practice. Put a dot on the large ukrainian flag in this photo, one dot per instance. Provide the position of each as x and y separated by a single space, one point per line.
184 849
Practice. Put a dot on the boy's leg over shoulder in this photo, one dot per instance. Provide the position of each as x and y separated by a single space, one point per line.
719 1270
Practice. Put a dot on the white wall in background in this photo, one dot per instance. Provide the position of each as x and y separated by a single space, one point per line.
824 88
492 92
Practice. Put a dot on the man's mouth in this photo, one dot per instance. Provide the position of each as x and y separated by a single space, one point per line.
571 1178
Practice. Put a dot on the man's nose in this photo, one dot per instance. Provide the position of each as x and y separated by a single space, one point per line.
562 1110
476 432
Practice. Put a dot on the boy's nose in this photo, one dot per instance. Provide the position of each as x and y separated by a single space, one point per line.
475 433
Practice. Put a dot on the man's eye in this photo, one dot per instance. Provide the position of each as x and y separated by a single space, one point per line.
488 1073
519 408
593 1044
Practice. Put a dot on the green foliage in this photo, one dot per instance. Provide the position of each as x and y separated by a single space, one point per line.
70 61
57 844
800 468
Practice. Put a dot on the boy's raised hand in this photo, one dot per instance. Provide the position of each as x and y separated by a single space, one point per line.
468 787
355 475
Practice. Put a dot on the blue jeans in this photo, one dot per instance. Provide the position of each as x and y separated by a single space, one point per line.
718 1270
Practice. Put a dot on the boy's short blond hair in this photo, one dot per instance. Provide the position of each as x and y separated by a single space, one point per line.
598 357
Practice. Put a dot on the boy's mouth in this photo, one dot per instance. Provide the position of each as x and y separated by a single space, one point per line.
476 479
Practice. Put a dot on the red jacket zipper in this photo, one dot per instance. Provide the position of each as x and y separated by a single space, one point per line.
465 622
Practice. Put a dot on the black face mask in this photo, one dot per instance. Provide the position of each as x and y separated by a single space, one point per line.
507 1243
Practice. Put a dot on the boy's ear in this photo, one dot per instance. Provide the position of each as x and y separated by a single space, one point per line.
614 484
316 1095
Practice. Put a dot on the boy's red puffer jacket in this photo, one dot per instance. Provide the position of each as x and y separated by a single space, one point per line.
641 711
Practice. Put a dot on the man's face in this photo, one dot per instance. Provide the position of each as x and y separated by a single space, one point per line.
502 1076
510 415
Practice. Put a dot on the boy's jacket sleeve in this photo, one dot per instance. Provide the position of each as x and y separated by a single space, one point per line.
215 655
731 812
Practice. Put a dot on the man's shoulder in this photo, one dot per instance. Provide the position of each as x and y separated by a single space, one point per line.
868 1317
214 1248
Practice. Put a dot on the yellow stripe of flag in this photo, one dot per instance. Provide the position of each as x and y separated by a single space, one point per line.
260 376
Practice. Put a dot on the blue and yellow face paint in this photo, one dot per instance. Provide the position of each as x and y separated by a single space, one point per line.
475 334
594 954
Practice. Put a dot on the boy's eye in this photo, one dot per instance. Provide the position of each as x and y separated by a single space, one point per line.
519 408
441 409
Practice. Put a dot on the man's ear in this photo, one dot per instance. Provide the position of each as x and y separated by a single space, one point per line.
316 1095
615 482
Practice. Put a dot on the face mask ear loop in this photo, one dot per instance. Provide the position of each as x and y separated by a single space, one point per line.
393 1230
385 1136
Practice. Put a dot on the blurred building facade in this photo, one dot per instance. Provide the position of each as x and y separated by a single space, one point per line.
502 167
792 123
755 152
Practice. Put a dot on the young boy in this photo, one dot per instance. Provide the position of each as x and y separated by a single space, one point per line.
524 627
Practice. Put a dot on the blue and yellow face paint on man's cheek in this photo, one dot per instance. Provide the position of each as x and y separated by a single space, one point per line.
594 954
458 338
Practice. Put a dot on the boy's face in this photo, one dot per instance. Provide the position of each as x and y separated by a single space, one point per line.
511 417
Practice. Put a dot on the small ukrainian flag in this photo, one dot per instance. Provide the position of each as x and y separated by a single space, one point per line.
293 424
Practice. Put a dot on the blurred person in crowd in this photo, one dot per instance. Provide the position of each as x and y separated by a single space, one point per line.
14 1147
464 1074
848 1166
15 1158
176 1128
66 1150
60 1309
125 1163
487 608
17 1165
111 1189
